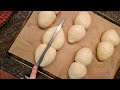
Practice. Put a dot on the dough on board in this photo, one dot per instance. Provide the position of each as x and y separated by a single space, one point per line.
77 71
49 56
83 18
59 39
56 12
84 56
105 50
111 36
46 18
76 33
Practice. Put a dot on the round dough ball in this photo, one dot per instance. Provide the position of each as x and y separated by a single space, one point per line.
56 12
83 18
76 33
77 71
49 56
84 56
111 36
105 50
46 18
59 39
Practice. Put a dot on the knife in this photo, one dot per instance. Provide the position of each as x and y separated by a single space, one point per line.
48 46
50 42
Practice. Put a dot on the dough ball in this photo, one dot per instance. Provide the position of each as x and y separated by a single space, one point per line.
76 33
83 18
84 56
56 12
49 56
46 18
105 50
77 71
111 36
58 41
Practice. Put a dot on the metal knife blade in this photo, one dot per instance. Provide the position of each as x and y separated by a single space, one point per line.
50 42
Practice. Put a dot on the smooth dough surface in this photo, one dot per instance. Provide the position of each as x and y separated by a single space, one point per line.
46 18
58 41
84 56
56 12
105 50
77 71
49 56
111 36
83 18
76 33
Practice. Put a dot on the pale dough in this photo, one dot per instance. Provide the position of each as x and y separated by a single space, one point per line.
111 36
77 71
83 18
46 18
76 33
56 12
49 56
105 50
59 39
84 56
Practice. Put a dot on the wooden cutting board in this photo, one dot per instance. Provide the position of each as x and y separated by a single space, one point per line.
31 35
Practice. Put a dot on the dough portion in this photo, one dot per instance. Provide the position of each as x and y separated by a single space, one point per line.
46 18
84 56
76 33
58 41
83 18
105 50
49 56
77 71
56 12
111 36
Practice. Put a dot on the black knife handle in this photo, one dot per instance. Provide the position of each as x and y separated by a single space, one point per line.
26 76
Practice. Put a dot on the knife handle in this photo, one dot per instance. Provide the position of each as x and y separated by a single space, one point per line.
32 75
34 72
25 77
